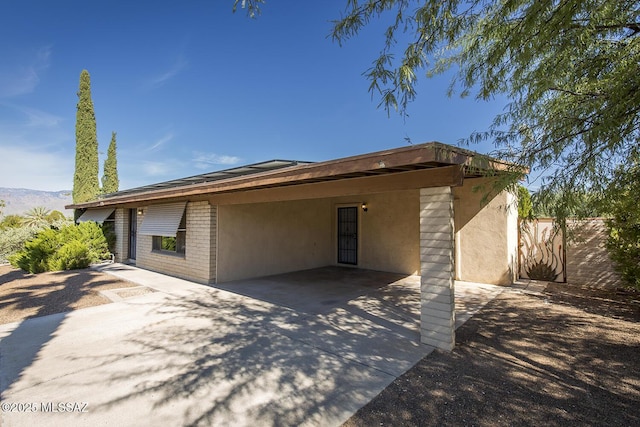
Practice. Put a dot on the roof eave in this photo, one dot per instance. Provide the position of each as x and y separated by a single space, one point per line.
381 161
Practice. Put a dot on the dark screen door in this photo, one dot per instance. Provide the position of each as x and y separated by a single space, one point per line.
348 235
133 232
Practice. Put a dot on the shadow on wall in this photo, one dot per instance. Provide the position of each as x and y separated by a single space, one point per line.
588 262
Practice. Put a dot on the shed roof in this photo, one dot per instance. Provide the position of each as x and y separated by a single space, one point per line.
277 173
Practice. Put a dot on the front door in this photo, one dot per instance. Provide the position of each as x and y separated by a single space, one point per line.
348 235
133 231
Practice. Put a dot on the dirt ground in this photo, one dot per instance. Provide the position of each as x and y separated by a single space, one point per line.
567 357
24 295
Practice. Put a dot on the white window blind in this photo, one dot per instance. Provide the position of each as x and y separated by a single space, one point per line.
162 220
97 215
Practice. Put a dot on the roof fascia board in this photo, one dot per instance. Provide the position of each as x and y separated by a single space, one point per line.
424 153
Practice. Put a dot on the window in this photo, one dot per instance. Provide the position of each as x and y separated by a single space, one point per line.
175 244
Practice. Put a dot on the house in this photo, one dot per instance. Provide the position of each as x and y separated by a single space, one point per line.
413 210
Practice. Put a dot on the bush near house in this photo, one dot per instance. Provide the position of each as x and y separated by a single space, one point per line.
67 248
13 239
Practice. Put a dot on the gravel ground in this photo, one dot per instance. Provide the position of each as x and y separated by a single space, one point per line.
568 357
24 295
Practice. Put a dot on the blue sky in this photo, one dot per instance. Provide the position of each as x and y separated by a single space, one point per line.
190 87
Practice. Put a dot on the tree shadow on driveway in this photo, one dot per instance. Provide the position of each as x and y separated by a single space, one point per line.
523 361
44 299
227 359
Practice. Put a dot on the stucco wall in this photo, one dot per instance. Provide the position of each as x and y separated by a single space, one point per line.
268 238
195 264
485 235
389 231
588 262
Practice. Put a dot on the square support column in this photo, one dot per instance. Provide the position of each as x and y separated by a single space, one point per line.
437 314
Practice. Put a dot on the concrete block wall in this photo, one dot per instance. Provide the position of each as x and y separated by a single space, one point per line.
213 244
195 263
588 261
122 235
437 314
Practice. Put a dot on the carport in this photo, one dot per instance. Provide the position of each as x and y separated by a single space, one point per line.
410 211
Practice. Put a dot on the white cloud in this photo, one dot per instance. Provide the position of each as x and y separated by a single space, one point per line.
37 118
178 66
159 143
21 78
206 160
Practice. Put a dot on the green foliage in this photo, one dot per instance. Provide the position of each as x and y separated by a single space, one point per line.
169 243
13 239
251 6
623 243
72 255
69 247
11 221
110 182
109 231
2 206
55 216
85 180
36 217
34 258
570 69
525 207
567 205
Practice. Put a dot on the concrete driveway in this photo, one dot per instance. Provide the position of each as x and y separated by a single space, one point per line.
306 348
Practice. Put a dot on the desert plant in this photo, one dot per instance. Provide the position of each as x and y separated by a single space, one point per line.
13 239
72 255
36 217
55 249
11 221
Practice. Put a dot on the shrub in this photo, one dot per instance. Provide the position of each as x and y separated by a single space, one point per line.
69 247
623 243
13 239
34 258
71 256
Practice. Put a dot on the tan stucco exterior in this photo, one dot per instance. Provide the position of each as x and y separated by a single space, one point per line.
485 234
268 238
237 241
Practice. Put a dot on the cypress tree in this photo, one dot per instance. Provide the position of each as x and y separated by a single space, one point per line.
85 180
110 182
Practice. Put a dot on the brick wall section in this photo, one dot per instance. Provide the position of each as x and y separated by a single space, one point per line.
437 315
195 264
122 235
588 261
213 243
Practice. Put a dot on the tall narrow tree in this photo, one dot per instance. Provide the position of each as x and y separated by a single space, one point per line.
86 185
110 182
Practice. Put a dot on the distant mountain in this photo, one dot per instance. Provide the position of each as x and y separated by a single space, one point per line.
20 200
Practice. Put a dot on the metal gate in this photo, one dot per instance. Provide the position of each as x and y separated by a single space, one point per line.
348 235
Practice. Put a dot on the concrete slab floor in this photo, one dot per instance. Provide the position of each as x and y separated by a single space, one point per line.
306 348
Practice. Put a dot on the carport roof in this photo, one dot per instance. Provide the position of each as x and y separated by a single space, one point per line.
278 173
